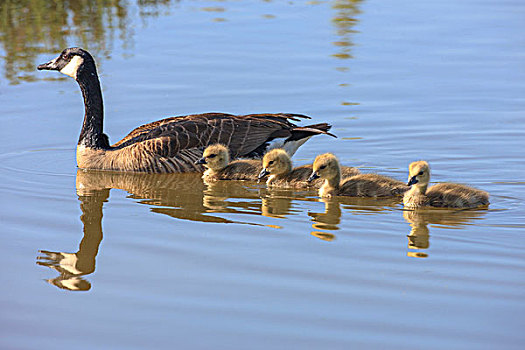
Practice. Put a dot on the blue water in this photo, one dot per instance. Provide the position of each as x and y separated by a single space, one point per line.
107 261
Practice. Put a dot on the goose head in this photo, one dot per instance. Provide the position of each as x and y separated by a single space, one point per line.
276 162
215 157
418 174
326 166
72 62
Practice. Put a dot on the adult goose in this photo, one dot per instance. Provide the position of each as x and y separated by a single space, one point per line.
173 144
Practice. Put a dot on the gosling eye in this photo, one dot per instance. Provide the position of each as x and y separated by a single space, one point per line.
420 173
270 162
322 167
212 156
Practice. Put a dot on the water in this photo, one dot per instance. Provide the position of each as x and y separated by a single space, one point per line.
108 260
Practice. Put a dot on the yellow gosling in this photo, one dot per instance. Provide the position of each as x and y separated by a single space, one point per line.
216 158
278 164
444 195
326 167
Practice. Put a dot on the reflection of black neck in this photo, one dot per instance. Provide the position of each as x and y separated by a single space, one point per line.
91 217
92 135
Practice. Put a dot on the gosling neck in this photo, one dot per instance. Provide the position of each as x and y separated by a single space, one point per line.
286 169
420 188
334 181
92 135
330 185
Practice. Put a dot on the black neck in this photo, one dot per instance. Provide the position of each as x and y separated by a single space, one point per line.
92 134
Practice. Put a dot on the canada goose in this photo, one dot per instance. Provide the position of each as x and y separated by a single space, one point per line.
172 144
278 164
326 166
444 195
217 159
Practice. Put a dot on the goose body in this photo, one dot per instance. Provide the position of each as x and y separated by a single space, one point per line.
173 144
278 164
216 159
443 195
326 166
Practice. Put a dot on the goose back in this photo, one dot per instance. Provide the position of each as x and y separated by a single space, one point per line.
241 169
298 177
451 195
371 185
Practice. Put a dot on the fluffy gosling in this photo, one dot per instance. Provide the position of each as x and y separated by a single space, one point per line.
278 164
444 195
326 166
217 159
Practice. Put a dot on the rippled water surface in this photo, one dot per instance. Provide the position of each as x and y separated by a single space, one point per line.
95 260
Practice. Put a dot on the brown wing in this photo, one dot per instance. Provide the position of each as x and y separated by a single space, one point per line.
241 134
174 144
451 195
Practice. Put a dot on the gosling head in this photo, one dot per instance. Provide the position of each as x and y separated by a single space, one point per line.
215 157
418 173
326 166
276 162
72 62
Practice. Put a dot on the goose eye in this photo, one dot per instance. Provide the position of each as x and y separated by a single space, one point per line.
322 167
420 173
270 162
212 156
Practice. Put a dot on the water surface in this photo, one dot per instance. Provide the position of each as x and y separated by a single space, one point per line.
110 260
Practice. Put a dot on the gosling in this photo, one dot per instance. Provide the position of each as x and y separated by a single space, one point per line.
444 195
216 158
326 166
278 164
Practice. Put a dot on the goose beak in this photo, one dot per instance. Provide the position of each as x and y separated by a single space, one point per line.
263 173
413 180
201 161
51 65
313 177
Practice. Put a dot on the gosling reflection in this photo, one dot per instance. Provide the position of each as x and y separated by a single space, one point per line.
330 219
277 203
235 197
73 266
419 236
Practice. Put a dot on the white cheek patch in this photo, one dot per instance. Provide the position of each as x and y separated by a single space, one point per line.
72 67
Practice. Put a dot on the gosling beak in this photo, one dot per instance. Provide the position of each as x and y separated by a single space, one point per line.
413 180
201 161
51 65
263 173
314 176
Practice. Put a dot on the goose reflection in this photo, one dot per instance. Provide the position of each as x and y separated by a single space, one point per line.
419 236
73 266
181 196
